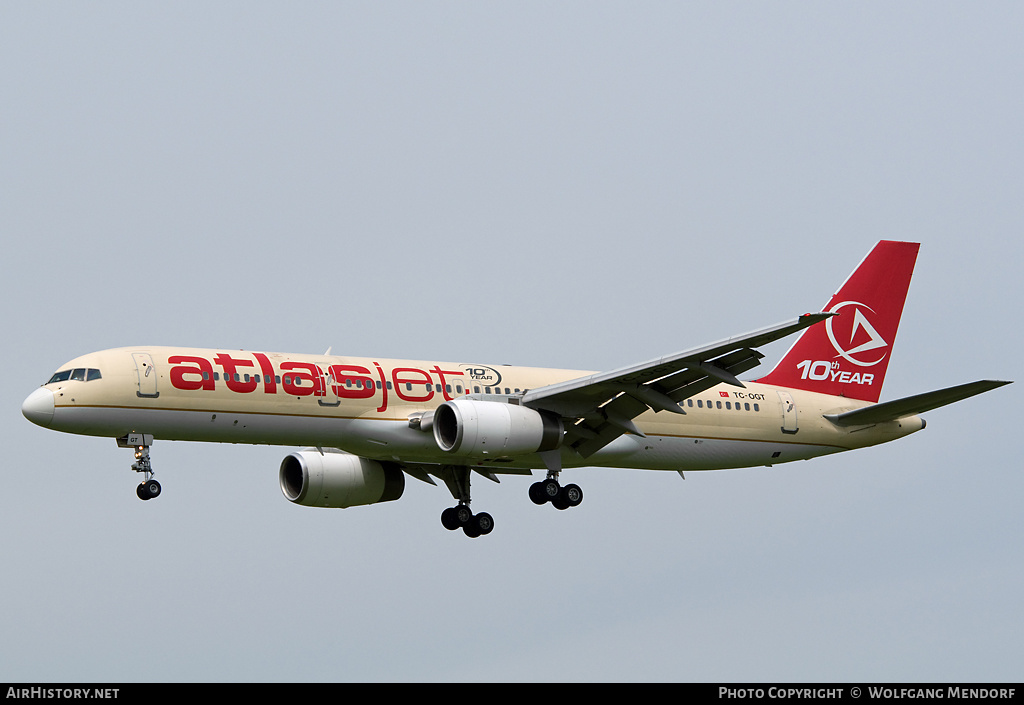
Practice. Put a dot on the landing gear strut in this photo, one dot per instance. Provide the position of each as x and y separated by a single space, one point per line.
148 488
461 516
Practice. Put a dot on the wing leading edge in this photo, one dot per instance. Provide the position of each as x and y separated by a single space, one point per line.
599 408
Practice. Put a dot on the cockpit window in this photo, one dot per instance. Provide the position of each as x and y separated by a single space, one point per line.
81 374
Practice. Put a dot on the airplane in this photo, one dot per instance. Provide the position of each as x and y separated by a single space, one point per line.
365 423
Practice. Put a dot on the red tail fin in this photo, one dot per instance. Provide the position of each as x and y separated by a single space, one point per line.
848 354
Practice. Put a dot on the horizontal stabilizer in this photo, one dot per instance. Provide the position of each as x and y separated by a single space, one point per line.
917 404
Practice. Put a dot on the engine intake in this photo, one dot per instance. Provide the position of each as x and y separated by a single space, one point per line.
338 480
476 429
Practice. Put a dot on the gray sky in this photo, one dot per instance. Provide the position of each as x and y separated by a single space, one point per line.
568 185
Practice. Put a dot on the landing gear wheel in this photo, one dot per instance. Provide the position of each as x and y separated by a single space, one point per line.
484 523
479 525
449 520
550 489
149 489
573 495
537 495
463 515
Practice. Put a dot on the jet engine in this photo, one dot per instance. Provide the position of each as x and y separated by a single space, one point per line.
340 480
468 428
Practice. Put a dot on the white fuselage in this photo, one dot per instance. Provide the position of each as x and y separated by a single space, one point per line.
363 406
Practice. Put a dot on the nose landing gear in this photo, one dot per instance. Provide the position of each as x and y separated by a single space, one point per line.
148 488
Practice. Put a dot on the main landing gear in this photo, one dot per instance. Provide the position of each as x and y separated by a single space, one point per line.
550 491
148 488
456 477
461 516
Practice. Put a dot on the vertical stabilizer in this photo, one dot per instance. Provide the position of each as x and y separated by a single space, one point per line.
848 354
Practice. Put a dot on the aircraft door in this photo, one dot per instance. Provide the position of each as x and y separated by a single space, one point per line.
146 375
330 397
789 423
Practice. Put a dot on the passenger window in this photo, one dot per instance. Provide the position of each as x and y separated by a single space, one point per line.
756 407
728 405
719 405
700 404
746 406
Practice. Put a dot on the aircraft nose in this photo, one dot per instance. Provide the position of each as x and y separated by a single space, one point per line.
38 407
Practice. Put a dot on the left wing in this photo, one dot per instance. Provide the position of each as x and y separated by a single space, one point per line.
600 407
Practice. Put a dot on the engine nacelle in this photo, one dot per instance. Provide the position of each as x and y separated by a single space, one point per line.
338 480
468 428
